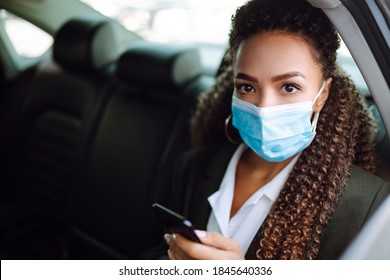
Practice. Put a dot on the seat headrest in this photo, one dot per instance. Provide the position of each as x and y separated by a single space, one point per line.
159 66
85 44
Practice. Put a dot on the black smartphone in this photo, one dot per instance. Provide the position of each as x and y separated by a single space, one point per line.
176 223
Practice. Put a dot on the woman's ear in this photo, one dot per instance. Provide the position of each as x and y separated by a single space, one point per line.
323 96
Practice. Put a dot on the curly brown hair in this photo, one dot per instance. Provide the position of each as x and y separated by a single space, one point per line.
345 129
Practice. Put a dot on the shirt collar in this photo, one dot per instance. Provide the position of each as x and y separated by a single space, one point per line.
272 189
221 200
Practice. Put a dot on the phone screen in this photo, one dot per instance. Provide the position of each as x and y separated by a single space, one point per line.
176 223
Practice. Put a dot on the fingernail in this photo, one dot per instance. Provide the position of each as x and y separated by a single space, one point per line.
168 238
200 233
173 236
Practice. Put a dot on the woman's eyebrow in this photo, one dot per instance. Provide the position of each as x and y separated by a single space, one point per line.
287 75
280 77
247 77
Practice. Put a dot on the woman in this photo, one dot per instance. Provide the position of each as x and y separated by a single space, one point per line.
298 186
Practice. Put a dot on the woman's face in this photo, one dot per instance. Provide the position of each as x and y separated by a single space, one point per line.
275 68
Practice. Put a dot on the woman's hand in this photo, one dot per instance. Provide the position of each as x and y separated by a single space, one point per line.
214 247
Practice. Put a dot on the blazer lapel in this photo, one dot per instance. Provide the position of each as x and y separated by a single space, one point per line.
209 183
252 249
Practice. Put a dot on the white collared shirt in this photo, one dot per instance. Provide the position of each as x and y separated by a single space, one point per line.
243 226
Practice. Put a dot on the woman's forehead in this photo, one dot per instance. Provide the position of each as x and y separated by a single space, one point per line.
275 52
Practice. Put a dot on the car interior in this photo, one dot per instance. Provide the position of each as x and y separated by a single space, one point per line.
90 132
89 141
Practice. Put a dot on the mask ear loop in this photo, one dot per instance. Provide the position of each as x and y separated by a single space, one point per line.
317 114
231 140
319 92
314 122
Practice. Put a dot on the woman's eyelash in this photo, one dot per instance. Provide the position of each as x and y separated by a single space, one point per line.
246 87
290 85
240 87
293 85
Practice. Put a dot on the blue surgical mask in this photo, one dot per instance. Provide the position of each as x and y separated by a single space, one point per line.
275 133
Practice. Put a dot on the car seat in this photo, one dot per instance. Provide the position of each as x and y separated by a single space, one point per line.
61 101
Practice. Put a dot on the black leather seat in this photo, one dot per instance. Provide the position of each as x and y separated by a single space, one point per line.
85 46
144 127
61 101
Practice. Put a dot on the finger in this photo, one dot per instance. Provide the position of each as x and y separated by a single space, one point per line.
171 255
217 240
168 238
192 250
177 251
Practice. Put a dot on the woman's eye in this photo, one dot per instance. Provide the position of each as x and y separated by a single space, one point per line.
245 88
290 88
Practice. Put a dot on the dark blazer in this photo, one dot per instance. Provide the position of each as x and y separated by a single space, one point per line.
199 174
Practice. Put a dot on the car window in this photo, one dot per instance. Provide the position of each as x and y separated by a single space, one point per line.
202 22
22 33
348 64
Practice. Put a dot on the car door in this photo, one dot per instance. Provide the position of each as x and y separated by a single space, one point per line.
364 27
